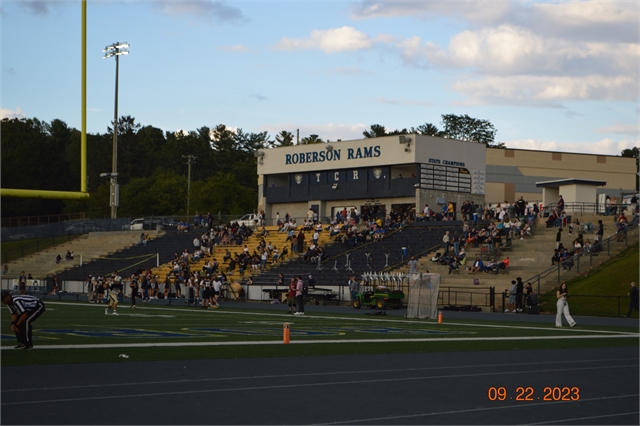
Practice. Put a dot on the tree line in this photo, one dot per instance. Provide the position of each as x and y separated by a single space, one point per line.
152 170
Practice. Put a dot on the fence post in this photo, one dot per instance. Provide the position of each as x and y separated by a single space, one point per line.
578 266
492 298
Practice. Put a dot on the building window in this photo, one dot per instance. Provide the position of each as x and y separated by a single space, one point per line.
556 156
509 153
602 159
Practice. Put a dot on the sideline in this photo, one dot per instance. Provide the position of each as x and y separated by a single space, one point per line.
321 342
392 319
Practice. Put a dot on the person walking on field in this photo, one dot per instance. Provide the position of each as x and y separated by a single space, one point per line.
25 309
633 303
563 306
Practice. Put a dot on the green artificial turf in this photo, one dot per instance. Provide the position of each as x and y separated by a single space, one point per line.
79 323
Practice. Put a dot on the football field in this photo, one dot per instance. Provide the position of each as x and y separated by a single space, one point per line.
77 332
161 364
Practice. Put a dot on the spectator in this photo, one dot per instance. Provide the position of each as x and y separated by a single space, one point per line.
413 265
478 266
511 305
614 206
22 283
519 292
354 287
291 296
5 269
574 225
559 238
600 232
300 241
502 265
446 241
560 205
633 302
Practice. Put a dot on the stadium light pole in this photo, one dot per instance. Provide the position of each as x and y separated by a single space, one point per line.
190 160
116 49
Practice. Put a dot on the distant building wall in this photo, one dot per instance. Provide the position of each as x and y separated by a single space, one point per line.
516 171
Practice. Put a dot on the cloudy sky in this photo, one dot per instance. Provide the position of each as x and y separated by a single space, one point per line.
559 75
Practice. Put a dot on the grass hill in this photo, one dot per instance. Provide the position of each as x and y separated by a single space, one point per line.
600 292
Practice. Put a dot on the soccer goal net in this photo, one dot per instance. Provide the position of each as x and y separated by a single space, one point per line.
422 301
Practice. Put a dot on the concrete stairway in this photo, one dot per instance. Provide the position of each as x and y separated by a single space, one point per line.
527 259
90 247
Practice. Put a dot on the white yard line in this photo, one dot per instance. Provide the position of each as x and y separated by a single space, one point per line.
331 341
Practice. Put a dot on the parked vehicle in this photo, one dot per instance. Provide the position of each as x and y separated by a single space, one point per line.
381 298
248 220
137 225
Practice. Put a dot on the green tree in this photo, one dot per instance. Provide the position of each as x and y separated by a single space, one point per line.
375 131
33 157
378 130
222 193
284 138
311 139
129 153
427 129
465 128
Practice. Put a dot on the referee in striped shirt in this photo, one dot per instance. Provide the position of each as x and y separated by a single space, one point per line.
25 309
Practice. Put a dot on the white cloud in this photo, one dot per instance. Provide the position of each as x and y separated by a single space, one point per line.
586 20
473 10
548 88
347 71
620 128
330 131
200 9
234 48
605 146
41 7
344 39
8 113
383 100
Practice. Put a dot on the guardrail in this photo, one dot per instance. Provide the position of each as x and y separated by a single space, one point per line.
580 260
10 222
450 296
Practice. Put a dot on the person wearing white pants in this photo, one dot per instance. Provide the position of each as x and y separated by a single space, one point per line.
563 306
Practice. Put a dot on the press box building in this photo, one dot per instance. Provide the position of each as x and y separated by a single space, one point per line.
402 172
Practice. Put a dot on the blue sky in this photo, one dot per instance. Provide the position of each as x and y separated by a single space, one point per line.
549 75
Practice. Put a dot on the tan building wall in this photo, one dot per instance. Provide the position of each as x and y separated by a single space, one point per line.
513 172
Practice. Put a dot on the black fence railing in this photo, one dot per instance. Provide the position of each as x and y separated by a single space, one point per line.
11 222
583 304
584 260
464 297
